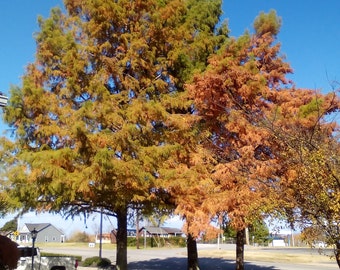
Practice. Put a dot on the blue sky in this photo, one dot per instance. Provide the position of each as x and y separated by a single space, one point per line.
310 38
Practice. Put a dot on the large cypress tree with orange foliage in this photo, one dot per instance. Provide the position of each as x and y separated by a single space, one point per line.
233 97
239 98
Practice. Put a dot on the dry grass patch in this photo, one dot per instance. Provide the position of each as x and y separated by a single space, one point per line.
258 255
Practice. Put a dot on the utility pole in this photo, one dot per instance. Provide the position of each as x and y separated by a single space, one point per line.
101 233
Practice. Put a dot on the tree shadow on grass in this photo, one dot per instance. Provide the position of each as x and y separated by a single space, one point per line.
177 263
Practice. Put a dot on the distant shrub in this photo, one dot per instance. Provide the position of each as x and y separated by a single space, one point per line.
178 241
96 262
104 262
175 241
79 237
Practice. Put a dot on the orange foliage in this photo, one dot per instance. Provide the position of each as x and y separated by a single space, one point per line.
237 96
249 110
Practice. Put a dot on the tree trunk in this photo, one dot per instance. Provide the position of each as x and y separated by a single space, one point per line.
192 253
121 260
337 252
240 238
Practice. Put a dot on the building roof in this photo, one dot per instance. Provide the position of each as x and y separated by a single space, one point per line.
170 230
161 230
37 226
40 226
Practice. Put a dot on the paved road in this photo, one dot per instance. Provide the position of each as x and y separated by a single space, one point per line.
175 258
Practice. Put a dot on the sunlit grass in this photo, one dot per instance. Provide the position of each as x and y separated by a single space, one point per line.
250 255
73 245
258 255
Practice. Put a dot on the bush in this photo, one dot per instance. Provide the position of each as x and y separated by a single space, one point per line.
104 262
175 241
178 241
96 262
79 237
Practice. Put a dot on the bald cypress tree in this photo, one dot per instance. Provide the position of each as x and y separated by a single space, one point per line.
100 108
271 140
233 97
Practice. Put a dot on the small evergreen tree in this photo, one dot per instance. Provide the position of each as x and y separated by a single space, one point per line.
10 226
258 232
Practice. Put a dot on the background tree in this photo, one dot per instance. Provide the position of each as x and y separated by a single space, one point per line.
259 232
102 106
80 237
10 226
185 174
7 203
234 98
228 230
311 188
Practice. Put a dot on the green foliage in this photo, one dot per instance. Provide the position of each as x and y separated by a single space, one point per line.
103 107
94 103
267 23
259 232
10 226
313 107
228 230
96 262
175 241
